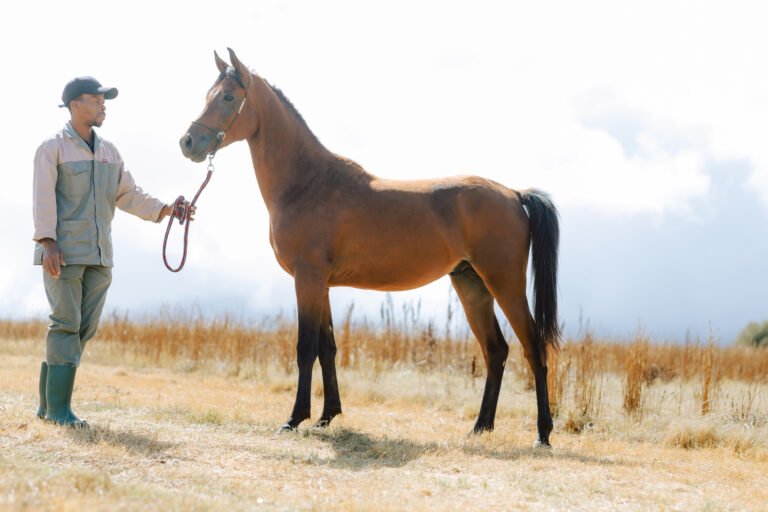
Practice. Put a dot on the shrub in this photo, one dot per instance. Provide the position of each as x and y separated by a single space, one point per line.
754 335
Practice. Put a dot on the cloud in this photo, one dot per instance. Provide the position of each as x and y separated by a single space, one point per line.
618 157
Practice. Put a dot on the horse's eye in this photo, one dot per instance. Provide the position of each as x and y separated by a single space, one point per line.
228 97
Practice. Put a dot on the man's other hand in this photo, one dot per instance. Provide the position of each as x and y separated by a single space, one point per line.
53 259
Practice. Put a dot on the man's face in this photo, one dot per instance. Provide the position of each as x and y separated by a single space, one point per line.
90 109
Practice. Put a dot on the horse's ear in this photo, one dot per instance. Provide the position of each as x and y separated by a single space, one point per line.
220 62
242 71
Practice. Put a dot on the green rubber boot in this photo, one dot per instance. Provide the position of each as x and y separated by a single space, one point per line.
58 394
43 403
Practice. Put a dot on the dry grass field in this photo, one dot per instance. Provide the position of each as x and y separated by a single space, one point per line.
184 413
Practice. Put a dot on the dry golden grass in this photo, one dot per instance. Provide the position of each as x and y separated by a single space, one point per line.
404 339
184 413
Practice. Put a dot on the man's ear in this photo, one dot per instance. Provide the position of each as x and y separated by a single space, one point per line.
220 62
242 71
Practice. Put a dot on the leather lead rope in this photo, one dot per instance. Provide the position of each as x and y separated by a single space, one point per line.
182 209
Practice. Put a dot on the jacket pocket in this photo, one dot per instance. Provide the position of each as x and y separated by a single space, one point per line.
76 238
74 179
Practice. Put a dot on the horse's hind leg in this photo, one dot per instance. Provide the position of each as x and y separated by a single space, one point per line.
478 306
508 288
327 355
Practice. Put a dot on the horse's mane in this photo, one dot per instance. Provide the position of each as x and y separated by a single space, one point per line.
232 72
289 106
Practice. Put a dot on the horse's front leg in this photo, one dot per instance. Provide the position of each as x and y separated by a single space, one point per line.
327 356
310 299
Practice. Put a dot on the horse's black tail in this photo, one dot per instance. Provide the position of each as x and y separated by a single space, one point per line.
545 239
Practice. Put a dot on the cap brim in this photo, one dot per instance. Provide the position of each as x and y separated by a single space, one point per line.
109 93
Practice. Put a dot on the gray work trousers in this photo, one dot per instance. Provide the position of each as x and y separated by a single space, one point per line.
77 299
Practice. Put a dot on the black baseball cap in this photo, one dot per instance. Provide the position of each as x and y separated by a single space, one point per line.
85 85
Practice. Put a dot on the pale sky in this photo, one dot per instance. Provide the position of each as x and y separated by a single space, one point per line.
647 122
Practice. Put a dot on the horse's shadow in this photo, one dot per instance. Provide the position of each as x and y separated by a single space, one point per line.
133 443
359 451
502 452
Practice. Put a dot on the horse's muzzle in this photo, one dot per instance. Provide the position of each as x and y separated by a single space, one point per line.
194 148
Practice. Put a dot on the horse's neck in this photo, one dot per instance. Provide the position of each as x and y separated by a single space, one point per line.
283 151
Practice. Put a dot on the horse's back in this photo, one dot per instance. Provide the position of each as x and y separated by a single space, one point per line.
401 234
475 201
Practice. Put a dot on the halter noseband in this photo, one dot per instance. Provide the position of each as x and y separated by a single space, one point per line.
221 133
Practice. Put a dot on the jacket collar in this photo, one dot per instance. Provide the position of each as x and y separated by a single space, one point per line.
70 131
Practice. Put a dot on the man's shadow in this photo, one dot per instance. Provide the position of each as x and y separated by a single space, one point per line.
133 443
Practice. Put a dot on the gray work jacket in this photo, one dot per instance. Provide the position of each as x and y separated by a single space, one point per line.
75 194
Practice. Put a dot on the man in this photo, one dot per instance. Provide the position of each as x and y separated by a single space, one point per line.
79 178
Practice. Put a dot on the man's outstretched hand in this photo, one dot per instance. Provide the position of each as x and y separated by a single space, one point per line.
168 209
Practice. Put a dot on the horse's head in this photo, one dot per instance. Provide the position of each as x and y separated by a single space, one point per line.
226 117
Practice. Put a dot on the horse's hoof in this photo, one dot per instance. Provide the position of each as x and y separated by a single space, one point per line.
539 446
286 427
478 431
321 424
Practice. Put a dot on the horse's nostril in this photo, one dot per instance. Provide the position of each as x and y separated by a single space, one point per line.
188 141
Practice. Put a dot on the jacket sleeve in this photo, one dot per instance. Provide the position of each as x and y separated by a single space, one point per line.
132 199
44 191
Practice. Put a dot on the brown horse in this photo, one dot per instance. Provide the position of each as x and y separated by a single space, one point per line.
334 224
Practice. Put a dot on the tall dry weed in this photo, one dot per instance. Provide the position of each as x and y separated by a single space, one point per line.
589 363
710 378
635 366
559 364
343 343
